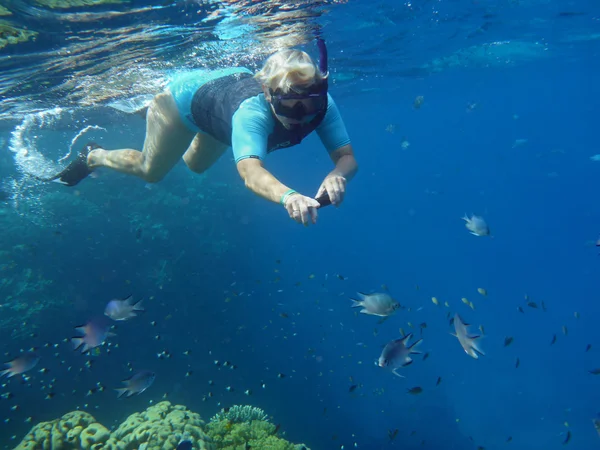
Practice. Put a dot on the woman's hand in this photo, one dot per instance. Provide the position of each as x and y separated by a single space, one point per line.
302 209
335 186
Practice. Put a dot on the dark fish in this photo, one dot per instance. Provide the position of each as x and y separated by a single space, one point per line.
553 339
543 306
588 347
95 332
594 371
392 434
476 225
352 388
570 14
396 354
467 341
378 304
20 364
415 390
280 375
520 309
137 383
138 236
508 340
439 380
532 305
123 309
425 356
565 330
185 445
567 438
508 439
517 363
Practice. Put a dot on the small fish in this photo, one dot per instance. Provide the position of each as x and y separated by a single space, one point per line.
419 100
588 347
378 304
596 422
123 309
435 301
280 375
138 234
248 392
425 356
467 341
415 390
594 371
396 354
553 339
517 363
20 364
439 380
137 384
520 310
565 330
476 225
95 332
508 340
567 438
482 291
352 388
392 434
532 305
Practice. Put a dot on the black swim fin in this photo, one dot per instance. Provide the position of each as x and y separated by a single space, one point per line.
78 169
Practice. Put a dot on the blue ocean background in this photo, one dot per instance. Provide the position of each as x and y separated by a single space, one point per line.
227 276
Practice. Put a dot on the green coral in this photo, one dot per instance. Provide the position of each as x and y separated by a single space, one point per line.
240 413
74 430
159 427
12 35
255 434
4 11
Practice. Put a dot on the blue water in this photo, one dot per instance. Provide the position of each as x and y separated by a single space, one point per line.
230 277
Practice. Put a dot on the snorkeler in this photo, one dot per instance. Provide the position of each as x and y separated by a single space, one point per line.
203 113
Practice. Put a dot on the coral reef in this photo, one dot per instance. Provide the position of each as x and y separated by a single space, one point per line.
12 35
239 413
4 11
241 427
160 427
74 430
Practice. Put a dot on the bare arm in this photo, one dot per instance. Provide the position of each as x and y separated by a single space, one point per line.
260 181
345 163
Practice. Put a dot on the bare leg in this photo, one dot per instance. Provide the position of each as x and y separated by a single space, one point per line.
167 139
203 152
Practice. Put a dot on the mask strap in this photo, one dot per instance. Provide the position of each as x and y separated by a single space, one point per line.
322 55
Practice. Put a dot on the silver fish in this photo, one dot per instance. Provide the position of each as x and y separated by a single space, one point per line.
137 383
20 364
378 304
95 332
467 341
396 354
476 225
123 309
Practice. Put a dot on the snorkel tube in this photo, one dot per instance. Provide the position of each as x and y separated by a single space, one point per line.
324 199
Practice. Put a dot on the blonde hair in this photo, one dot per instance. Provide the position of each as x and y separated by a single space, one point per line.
288 68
